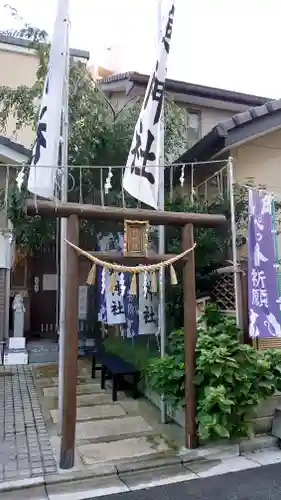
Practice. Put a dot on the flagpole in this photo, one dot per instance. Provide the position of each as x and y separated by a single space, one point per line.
234 245
161 241
63 229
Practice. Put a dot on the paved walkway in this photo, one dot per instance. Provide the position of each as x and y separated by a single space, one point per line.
107 432
120 446
25 448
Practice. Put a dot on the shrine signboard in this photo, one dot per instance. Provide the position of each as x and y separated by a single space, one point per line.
136 238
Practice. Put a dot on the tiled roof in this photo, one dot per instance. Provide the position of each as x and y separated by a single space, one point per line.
189 88
239 127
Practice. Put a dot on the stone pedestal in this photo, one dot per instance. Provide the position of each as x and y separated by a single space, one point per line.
1 353
16 354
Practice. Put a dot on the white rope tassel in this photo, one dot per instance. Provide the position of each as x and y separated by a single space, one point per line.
103 276
122 284
182 175
20 178
145 284
108 184
192 184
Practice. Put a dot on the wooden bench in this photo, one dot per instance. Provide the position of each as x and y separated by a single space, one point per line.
115 368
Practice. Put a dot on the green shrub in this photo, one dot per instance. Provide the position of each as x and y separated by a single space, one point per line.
231 378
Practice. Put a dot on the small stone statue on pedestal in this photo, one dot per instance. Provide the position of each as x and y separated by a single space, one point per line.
19 310
16 354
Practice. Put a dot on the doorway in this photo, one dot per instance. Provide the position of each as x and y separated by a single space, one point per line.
43 295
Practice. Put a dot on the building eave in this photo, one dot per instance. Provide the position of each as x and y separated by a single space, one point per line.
177 86
13 152
22 43
237 130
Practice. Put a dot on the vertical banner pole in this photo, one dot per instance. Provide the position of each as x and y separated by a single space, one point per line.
161 242
63 231
276 250
233 237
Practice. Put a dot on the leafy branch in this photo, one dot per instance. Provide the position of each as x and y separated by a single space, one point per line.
99 135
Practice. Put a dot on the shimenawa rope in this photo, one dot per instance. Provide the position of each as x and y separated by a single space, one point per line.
131 269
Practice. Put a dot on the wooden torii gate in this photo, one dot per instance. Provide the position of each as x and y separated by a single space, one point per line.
186 221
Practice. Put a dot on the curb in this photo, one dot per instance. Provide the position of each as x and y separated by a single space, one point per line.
81 475
20 484
141 464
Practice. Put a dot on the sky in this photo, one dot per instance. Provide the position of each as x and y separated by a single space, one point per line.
221 43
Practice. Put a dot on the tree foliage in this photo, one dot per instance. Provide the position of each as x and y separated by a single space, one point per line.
213 246
99 135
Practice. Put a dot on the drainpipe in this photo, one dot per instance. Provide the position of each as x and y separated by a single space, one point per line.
9 252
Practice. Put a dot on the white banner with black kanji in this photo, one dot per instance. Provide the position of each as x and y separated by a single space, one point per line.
42 174
148 307
141 177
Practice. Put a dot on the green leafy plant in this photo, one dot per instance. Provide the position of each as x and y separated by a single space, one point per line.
212 247
166 375
231 378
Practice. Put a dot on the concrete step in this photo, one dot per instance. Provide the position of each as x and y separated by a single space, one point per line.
113 429
84 400
89 388
122 450
54 381
96 412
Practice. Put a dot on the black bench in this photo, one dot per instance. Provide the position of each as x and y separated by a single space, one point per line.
115 368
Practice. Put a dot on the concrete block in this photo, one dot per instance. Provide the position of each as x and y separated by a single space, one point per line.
265 457
157 477
106 429
15 357
262 425
155 461
90 488
217 451
94 413
17 342
276 424
257 443
216 467
125 449
267 407
81 389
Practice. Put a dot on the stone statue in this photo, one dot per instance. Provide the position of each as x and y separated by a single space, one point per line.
19 310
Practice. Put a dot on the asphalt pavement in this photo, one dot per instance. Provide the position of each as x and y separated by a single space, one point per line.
260 483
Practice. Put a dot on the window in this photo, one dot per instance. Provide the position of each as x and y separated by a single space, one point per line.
193 127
